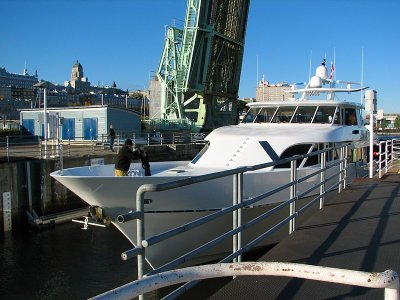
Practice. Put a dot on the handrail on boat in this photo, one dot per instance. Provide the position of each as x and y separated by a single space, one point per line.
387 280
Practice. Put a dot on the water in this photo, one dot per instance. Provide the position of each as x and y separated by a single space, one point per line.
63 262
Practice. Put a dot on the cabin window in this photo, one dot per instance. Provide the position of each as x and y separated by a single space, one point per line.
304 114
284 114
350 116
325 115
265 115
292 151
251 115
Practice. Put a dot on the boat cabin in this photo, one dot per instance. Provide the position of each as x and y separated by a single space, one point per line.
301 112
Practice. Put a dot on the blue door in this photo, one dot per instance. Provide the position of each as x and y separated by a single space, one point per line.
28 127
68 129
90 128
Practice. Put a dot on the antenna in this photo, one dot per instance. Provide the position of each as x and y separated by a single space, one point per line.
257 74
362 74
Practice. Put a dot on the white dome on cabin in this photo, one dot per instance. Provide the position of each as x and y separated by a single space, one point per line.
315 82
322 72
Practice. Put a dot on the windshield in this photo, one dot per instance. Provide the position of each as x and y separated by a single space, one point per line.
200 154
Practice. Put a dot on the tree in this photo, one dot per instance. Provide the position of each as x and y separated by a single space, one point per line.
397 122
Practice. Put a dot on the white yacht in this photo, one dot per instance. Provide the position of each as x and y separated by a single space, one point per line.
269 131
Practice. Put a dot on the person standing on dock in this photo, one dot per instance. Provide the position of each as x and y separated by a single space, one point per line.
111 134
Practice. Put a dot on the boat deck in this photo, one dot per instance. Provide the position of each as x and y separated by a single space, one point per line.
358 229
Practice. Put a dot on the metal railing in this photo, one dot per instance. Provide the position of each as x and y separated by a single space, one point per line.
387 280
337 179
37 147
389 152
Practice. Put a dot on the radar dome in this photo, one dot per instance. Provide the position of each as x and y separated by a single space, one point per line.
315 82
322 72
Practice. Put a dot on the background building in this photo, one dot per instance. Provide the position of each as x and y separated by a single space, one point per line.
272 92
16 92
78 82
81 123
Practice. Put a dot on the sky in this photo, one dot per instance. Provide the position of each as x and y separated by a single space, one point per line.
121 41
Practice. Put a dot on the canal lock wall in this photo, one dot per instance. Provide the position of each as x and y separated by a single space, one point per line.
26 186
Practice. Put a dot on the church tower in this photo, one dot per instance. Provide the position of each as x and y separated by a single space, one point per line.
77 72
78 82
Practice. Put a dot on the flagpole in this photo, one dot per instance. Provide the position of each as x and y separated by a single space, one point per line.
309 70
334 63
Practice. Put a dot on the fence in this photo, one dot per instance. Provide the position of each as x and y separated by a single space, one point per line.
36 147
387 153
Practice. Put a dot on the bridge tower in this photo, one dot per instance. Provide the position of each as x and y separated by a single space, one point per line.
200 68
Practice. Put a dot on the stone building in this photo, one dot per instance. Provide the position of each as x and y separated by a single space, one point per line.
80 83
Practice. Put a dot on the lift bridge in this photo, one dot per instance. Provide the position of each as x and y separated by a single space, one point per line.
200 68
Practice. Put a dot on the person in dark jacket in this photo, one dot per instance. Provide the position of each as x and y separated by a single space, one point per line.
126 154
123 160
111 134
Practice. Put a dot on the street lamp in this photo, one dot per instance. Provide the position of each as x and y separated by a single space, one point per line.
44 85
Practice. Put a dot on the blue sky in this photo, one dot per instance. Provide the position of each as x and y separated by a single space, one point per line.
122 40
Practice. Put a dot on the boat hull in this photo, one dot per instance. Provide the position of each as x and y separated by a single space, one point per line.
169 209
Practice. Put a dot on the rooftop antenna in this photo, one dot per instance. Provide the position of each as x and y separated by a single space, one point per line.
362 74
257 74
25 70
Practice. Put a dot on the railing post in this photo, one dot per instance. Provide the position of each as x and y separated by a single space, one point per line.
61 159
40 147
148 139
345 156
340 169
140 234
386 156
8 149
240 200
322 187
237 214
293 192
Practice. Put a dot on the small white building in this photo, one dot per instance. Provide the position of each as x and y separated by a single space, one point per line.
80 123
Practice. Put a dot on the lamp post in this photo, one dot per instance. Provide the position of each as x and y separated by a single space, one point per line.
44 85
